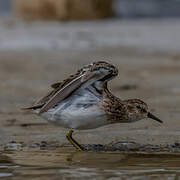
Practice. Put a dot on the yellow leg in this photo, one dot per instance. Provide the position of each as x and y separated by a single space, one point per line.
73 142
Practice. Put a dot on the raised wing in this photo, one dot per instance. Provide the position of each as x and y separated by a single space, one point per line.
86 76
67 90
56 87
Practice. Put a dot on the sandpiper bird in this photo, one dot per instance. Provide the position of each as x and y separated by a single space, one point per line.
83 101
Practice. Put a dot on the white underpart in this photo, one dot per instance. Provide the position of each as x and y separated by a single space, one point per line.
79 111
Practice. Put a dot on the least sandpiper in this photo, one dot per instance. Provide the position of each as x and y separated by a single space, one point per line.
83 101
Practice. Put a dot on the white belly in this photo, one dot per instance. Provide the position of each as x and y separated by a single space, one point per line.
81 118
77 113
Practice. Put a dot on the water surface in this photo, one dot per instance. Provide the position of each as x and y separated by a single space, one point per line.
65 163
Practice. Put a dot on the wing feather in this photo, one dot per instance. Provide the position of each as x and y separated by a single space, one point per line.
62 90
67 90
56 87
62 94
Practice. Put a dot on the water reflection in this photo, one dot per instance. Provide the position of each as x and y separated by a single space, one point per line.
5 163
66 163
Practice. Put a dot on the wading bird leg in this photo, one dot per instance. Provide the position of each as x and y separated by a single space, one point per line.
73 142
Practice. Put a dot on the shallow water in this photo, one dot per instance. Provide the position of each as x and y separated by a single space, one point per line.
65 163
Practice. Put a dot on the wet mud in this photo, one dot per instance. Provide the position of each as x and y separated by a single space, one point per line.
26 76
30 148
112 147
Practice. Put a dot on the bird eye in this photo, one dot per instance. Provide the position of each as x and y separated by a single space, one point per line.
141 109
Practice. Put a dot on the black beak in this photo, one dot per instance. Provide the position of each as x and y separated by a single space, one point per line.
149 115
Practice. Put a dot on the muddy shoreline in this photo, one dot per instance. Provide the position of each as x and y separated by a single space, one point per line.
151 77
149 69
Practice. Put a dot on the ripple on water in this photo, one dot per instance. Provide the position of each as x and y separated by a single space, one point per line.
5 175
67 163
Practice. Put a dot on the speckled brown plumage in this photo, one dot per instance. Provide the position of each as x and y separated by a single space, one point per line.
83 101
116 109
58 86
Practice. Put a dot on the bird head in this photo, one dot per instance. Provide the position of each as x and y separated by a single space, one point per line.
137 110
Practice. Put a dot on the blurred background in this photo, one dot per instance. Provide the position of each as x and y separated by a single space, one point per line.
122 8
43 41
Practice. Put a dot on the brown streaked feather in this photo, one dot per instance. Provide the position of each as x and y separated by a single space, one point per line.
67 90
33 107
57 87
62 94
